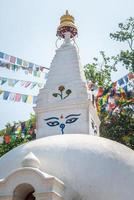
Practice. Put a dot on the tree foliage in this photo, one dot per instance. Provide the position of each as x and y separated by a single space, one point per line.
117 126
125 34
99 72
19 137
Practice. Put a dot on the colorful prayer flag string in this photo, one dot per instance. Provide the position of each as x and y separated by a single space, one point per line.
14 63
121 91
17 97
25 84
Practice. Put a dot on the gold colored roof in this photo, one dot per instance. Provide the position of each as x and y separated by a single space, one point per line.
66 20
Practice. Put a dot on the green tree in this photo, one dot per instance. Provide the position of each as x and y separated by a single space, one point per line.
99 72
30 127
125 34
119 126
4 148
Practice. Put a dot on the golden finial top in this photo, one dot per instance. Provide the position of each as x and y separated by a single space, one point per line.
65 19
67 25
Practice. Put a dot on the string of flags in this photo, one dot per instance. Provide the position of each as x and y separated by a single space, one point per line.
13 63
17 131
120 92
17 97
22 83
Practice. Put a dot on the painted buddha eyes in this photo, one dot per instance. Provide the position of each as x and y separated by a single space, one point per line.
71 118
52 121
55 121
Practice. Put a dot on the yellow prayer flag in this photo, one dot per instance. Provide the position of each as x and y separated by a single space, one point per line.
1 91
30 99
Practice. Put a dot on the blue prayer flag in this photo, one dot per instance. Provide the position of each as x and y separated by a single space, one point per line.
121 81
31 65
1 55
34 99
6 95
126 78
19 61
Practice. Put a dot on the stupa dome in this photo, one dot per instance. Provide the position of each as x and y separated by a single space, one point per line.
91 167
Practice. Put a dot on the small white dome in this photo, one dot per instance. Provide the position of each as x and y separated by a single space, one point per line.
30 160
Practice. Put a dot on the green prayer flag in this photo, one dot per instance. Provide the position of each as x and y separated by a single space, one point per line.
24 98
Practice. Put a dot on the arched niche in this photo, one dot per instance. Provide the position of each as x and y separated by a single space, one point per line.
24 192
22 183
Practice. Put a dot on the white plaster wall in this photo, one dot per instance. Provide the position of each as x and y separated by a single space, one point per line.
80 125
91 167
67 71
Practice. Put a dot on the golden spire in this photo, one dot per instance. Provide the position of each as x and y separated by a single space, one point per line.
67 25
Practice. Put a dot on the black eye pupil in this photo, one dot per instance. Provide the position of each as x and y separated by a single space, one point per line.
71 120
55 123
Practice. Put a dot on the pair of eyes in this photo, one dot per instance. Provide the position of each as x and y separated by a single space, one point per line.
68 121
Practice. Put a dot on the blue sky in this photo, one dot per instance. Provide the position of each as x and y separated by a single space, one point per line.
28 30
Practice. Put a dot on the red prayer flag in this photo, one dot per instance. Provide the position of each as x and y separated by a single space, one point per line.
100 92
114 84
17 97
111 106
12 59
7 139
31 131
130 76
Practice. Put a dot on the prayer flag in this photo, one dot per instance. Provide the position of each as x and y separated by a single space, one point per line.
7 139
33 85
126 78
100 92
3 80
19 61
7 57
27 83
13 137
35 73
30 70
1 55
6 95
121 81
34 99
125 88
130 76
1 91
17 97
114 84
38 73
30 99
12 96
10 82
24 98
31 65
25 63
12 59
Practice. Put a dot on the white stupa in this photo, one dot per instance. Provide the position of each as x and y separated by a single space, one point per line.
73 164
64 105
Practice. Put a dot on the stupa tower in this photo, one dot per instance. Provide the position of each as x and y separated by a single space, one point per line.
64 105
